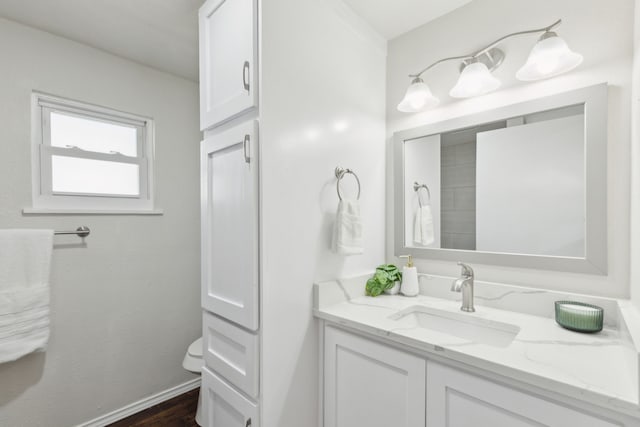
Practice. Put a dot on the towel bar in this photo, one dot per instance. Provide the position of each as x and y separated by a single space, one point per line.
340 173
82 231
417 187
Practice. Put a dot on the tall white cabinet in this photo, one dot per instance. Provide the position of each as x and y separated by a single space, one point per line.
230 214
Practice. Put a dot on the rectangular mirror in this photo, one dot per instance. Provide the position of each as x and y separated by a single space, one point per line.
519 186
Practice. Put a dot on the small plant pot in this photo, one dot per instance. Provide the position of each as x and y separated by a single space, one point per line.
393 290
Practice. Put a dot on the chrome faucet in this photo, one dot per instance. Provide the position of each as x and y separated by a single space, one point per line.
465 285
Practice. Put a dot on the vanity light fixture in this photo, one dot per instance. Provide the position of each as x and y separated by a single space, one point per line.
418 97
549 57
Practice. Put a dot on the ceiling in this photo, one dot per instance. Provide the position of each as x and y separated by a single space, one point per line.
162 34
392 18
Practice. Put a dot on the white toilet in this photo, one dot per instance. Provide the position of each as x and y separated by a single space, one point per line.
193 362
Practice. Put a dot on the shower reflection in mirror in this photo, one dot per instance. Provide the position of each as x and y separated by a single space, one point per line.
509 186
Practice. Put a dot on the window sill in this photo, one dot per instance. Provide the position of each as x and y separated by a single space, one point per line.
38 211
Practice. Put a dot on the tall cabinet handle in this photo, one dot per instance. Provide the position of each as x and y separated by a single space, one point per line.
248 424
245 149
245 75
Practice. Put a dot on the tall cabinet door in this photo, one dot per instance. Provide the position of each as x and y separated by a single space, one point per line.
229 213
370 384
228 59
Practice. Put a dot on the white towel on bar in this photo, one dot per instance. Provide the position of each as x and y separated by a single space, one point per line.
25 260
347 230
423 229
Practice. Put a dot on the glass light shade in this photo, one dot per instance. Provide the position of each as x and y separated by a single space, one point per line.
549 57
475 80
417 98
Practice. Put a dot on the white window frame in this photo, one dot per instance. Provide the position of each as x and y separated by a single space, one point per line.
47 201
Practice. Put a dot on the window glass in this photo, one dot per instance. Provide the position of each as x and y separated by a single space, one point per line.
93 135
77 175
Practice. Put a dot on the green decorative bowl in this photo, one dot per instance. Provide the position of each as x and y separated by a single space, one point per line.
578 316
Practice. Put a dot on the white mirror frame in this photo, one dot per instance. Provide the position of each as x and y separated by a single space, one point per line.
594 99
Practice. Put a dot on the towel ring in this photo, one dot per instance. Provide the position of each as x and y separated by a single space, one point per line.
417 187
340 173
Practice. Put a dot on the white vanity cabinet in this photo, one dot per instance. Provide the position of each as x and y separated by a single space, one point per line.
458 399
370 384
229 215
228 59
367 383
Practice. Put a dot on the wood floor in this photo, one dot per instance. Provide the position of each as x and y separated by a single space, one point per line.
177 412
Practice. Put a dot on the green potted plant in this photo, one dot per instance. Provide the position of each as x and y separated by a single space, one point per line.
386 279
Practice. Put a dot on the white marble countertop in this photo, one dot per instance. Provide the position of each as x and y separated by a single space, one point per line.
598 368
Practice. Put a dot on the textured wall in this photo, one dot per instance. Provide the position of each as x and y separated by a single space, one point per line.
125 307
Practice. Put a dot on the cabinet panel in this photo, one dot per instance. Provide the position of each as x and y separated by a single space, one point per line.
369 384
228 59
231 352
224 406
229 214
458 399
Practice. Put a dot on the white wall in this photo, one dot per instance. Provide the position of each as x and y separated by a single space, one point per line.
322 105
125 307
635 162
601 32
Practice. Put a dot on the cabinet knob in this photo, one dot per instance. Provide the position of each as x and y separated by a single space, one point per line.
245 75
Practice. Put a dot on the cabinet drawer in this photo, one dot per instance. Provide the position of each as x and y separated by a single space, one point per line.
224 406
231 352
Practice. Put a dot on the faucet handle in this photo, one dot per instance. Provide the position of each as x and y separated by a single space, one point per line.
467 271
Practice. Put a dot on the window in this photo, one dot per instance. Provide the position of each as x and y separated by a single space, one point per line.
88 158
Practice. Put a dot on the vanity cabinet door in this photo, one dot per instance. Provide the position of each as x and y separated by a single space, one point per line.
370 384
228 59
229 215
458 399
224 406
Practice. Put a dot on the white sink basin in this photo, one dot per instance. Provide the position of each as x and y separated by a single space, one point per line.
461 325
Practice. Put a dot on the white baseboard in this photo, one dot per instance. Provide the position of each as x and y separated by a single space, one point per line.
142 404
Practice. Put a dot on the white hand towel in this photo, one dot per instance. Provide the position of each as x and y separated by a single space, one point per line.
347 230
423 229
25 261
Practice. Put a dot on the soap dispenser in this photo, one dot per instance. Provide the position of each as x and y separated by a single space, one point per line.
409 286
